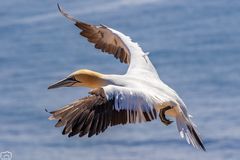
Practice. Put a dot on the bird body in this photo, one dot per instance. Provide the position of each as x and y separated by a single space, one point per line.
137 96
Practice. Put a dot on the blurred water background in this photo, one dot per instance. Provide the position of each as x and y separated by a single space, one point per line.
194 45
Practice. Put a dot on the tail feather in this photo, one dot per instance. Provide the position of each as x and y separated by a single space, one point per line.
187 130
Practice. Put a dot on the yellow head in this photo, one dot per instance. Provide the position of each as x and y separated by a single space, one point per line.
83 77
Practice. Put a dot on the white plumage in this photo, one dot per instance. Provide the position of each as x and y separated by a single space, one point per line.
139 94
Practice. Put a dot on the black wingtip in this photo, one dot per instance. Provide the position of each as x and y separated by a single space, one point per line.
203 148
50 112
197 138
199 141
59 7
61 10
46 110
65 14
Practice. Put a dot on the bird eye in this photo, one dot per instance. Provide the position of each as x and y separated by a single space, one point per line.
74 79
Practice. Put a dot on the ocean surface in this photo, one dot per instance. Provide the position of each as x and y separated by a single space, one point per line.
195 46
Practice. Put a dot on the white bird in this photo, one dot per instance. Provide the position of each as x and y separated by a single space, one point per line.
137 96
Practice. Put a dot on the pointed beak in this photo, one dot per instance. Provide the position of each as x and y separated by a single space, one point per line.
67 82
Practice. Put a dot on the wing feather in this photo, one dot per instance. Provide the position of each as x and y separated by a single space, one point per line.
119 45
95 113
103 38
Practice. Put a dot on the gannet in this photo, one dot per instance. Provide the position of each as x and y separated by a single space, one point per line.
135 97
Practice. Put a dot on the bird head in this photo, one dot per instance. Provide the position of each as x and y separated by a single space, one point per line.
83 77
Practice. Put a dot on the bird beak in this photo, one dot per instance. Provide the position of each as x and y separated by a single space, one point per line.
67 82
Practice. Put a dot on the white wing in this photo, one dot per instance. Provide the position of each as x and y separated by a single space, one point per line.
139 100
139 106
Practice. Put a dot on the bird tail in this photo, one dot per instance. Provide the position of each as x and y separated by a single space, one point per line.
187 130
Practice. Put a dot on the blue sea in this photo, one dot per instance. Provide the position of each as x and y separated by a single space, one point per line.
195 46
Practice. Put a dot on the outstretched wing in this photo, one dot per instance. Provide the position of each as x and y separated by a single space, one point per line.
103 37
103 108
117 44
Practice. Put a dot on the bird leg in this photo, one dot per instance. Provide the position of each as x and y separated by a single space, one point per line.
163 117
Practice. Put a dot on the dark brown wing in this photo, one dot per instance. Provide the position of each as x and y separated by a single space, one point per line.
103 38
93 114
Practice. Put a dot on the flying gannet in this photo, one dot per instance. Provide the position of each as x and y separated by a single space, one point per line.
137 96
